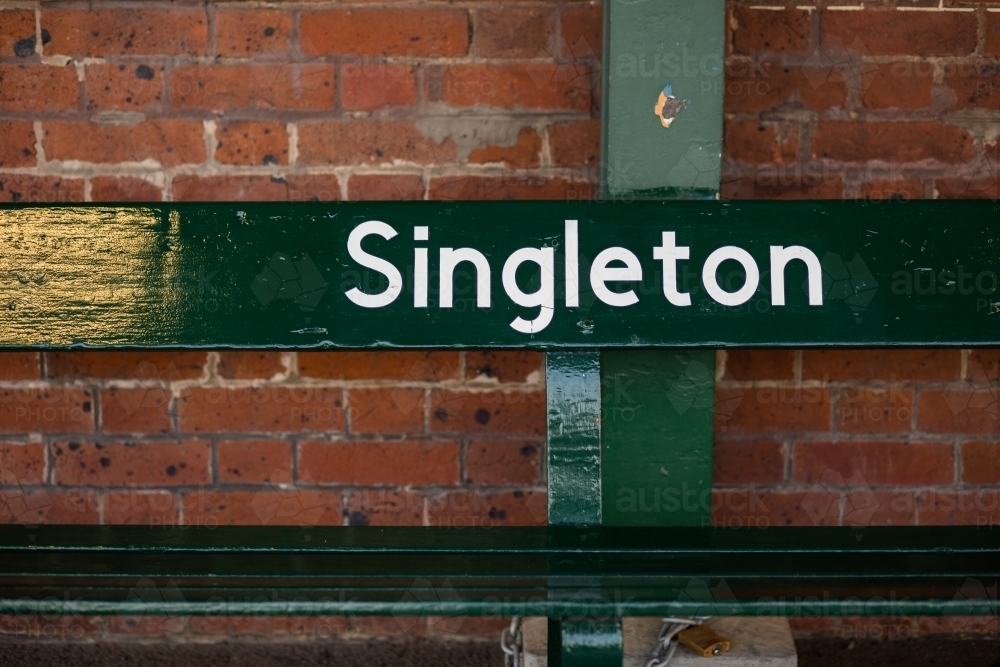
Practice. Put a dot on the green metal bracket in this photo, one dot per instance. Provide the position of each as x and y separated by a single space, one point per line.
590 642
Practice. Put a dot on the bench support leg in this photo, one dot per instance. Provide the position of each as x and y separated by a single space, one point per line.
585 643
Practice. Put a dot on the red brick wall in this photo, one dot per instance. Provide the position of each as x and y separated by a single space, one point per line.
407 100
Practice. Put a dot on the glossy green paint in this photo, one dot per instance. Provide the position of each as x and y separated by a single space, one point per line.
588 641
556 572
183 275
573 388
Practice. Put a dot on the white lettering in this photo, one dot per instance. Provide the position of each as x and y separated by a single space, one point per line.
374 263
450 258
669 252
780 257
709 279
600 273
544 297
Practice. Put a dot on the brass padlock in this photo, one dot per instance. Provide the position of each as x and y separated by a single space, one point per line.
704 641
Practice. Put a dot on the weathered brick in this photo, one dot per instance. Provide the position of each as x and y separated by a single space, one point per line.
513 32
261 409
17 148
49 507
250 365
230 187
35 88
900 189
528 86
242 32
892 141
135 410
891 365
415 366
386 463
581 29
751 365
371 85
66 627
977 186
393 411
385 507
786 182
512 411
50 410
471 508
904 85
504 365
746 508
141 508
158 463
747 462
777 410
959 508
263 508
17 33
974 86
385 187
503 462
409 32
371 142
967 625
993 34
147 365
28 188
251 142
313 187
170 143
888 462
462 188
874 409
981 463
759 143
256 462
126 32
756 87
227 87
525 153
123 189
19 366
881 508
958 410
575 143
123 87
886 32
756 30
22 464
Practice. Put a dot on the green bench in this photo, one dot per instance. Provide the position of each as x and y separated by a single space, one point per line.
603 289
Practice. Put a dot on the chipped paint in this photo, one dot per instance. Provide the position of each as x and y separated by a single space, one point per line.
668 106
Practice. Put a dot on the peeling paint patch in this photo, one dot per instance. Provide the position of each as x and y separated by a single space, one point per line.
667 106
471 131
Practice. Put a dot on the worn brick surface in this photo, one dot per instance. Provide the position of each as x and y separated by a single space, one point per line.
22 463
387 32
411 366
261 409
884 463
159 463
746 462
35 88
499 462
255 461
17 149
385 463
135 31
19 365
165 142
124 87
148 365
251 142
48 410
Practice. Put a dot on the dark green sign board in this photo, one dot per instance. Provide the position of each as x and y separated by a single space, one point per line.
542 275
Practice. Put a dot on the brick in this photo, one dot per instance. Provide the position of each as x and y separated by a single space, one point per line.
744 508
372 142
787 30
123 189
974 86
462 188
891 508
900 189
886 462
369 86
503 462
261 409
28 188
521 86
141 508
251 142
885 32
483 509
408 32
396 410
386 463
244 33
313 187
959 508
17 147
513 32
752 88
993 34
575 143
230 187
22 463
874 409
122 365
465 627
778 410
506 412
51 410
19 366
228 87
132 87
385 507
981 463
791 182
969 187
905 85
33 88
969 625
748 462
527 152
170 143
48 627
263 508
158 463
148 625
17 33
385 187
983 366
581 29
910 141
758 142
415 366
250 365
49 507
752 365
891 365
126 32
957 410
135 410
255 462
504 365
